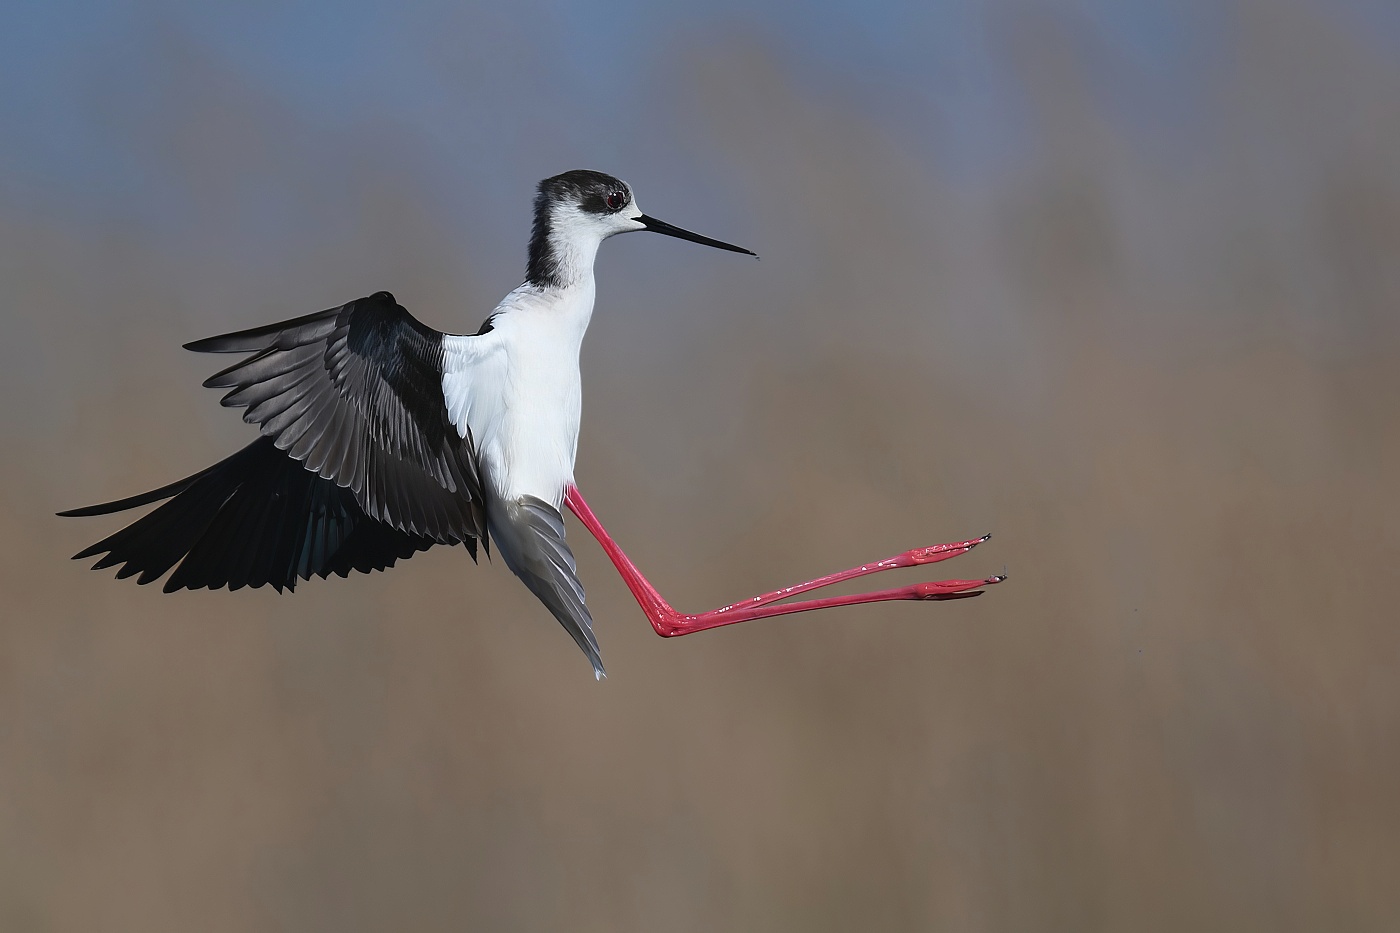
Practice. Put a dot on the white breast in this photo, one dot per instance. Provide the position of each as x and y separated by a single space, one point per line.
518 390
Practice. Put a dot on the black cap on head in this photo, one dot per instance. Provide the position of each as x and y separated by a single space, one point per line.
594 192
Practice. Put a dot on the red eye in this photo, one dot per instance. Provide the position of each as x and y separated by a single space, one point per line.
615 200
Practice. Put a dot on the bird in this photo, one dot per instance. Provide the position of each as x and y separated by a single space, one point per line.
380 437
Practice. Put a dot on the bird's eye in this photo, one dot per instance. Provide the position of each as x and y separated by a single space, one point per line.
615 200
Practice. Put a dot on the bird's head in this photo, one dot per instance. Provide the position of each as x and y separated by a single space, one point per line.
576 211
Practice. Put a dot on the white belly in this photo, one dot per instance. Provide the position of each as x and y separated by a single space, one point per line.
532 450
519 391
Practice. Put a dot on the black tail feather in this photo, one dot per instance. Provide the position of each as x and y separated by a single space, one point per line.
256 518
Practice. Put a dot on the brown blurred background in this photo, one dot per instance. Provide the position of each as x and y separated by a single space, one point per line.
1119 283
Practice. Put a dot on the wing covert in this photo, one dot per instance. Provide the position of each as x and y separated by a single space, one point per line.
355 394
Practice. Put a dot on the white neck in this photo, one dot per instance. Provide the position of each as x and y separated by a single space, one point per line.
562 253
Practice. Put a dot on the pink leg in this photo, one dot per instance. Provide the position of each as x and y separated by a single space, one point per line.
668 621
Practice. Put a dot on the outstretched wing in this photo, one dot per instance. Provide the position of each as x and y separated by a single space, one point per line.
355 394
253 519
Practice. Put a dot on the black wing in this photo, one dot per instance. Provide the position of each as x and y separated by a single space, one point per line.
355 394
256 518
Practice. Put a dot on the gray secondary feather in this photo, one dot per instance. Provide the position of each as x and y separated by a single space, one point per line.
529 536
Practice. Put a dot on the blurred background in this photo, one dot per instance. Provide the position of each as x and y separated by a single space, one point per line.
1116 281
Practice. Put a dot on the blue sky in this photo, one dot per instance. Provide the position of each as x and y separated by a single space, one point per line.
468 82
204 127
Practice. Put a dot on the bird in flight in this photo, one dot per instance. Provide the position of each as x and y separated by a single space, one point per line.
381 437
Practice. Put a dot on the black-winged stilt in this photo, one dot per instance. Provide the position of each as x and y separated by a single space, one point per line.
381 437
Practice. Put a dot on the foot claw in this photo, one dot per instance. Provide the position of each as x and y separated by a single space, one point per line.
937 552
943 588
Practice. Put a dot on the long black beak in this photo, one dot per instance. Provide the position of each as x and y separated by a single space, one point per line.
660 226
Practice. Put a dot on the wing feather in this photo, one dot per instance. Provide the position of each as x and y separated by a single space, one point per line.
529 535
356 394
